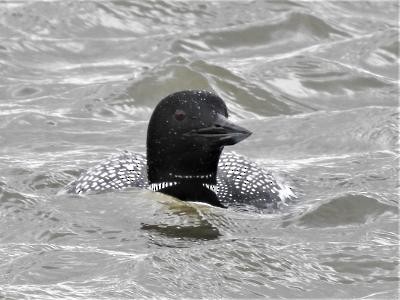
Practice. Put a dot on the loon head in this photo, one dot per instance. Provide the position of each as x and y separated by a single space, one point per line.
186 135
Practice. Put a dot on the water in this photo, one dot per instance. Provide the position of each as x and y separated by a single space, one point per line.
317 83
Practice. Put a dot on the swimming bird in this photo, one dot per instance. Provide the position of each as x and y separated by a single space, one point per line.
186 135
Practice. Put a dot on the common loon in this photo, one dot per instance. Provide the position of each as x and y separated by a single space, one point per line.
186 135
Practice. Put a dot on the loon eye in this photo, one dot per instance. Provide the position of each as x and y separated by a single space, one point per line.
180 115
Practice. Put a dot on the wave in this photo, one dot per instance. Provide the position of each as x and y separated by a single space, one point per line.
347 210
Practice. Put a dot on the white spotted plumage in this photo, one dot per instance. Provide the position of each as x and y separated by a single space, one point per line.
120 171
242 182
239 181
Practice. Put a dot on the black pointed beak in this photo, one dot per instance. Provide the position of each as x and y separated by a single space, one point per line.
223 132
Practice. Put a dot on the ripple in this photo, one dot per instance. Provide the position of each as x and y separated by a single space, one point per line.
14 202
202 232
48 265
315 83
303 28
26 91
165 79
346 210
245 99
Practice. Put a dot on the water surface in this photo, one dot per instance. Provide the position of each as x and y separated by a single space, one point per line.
317 83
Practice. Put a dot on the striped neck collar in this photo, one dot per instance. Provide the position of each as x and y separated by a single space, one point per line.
162 185
178 176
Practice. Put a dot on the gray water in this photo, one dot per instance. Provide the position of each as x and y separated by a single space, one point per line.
316 82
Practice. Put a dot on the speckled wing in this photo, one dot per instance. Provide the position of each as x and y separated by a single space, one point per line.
239 181
117 172
242 182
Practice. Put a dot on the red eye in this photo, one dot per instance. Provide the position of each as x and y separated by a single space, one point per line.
180 115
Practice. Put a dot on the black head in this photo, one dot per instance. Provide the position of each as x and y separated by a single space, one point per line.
185 137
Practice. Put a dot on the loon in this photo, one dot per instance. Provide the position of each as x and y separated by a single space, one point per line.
185 139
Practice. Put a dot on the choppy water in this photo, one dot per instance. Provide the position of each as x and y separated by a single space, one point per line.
317 83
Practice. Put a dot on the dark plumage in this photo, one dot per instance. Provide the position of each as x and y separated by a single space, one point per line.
186 135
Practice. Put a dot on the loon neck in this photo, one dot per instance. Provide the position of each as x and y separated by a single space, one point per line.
189 168
188 177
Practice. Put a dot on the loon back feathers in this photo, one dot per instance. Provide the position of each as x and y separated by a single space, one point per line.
239 182
117 172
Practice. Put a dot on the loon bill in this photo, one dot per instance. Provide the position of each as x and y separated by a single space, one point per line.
185 138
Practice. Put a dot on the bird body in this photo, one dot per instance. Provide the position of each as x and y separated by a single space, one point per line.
186 136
